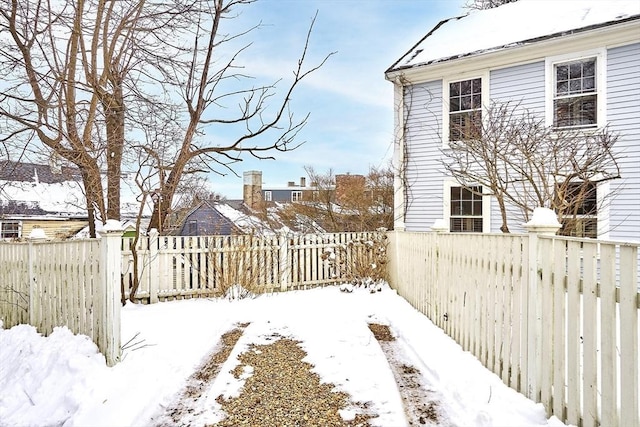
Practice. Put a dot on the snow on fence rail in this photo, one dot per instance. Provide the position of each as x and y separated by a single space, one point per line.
556 318
64 283
201 266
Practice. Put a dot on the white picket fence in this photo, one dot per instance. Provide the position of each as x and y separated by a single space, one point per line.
177 267
556 318
64 283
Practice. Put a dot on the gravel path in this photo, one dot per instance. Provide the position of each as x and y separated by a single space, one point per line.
282 391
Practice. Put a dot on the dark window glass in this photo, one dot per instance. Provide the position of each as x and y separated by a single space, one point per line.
465 108
575 100
580 210
466 210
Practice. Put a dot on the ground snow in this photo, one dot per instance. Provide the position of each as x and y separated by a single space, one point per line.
63 380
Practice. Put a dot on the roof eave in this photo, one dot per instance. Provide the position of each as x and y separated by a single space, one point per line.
627 29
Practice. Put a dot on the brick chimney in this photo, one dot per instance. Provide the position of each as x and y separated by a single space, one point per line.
252 189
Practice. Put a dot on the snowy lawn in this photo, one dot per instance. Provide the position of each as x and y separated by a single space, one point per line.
63 380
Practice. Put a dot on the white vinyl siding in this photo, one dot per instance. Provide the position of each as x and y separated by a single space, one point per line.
623 113
423 179
522 86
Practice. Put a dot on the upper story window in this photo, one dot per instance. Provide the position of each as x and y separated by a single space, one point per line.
267 196
575 98
575 90
466 210
9 229
296 196
465 109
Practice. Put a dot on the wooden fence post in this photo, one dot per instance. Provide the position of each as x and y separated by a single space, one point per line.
543 223
153 273
36 235
285 271
110 300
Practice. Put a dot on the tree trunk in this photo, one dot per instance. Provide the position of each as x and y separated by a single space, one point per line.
113 105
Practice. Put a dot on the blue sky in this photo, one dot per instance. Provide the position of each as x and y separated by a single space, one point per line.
351 104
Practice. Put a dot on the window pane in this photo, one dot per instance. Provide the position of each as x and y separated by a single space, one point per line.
465 96
476 101
589 68
466 210
588 84
477 207
562 72
575 86
476 85
465 103
575 70
454 104
562 88
454 89
10 230
576 111
465 87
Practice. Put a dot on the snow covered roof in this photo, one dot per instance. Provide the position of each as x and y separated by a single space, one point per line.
521 22
242 219
29 190
41 199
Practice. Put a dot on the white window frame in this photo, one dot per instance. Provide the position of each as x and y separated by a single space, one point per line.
484 76
600 56
12 221
267 195
296 196
446 208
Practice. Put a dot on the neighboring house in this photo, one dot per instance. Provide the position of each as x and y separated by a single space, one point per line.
251 215
40 196
50 197
299 192
575 63
207 219
292 192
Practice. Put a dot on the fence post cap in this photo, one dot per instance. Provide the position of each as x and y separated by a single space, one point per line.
112 226
37 234
544 220
439 226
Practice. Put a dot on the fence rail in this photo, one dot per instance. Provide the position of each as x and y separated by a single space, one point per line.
172 267
78 283
556 318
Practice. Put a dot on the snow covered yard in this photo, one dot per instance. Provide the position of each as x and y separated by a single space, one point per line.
63 380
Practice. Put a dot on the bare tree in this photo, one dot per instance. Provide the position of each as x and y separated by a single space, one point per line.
486 4
67 67
525 164
76 72
349 202
262 123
